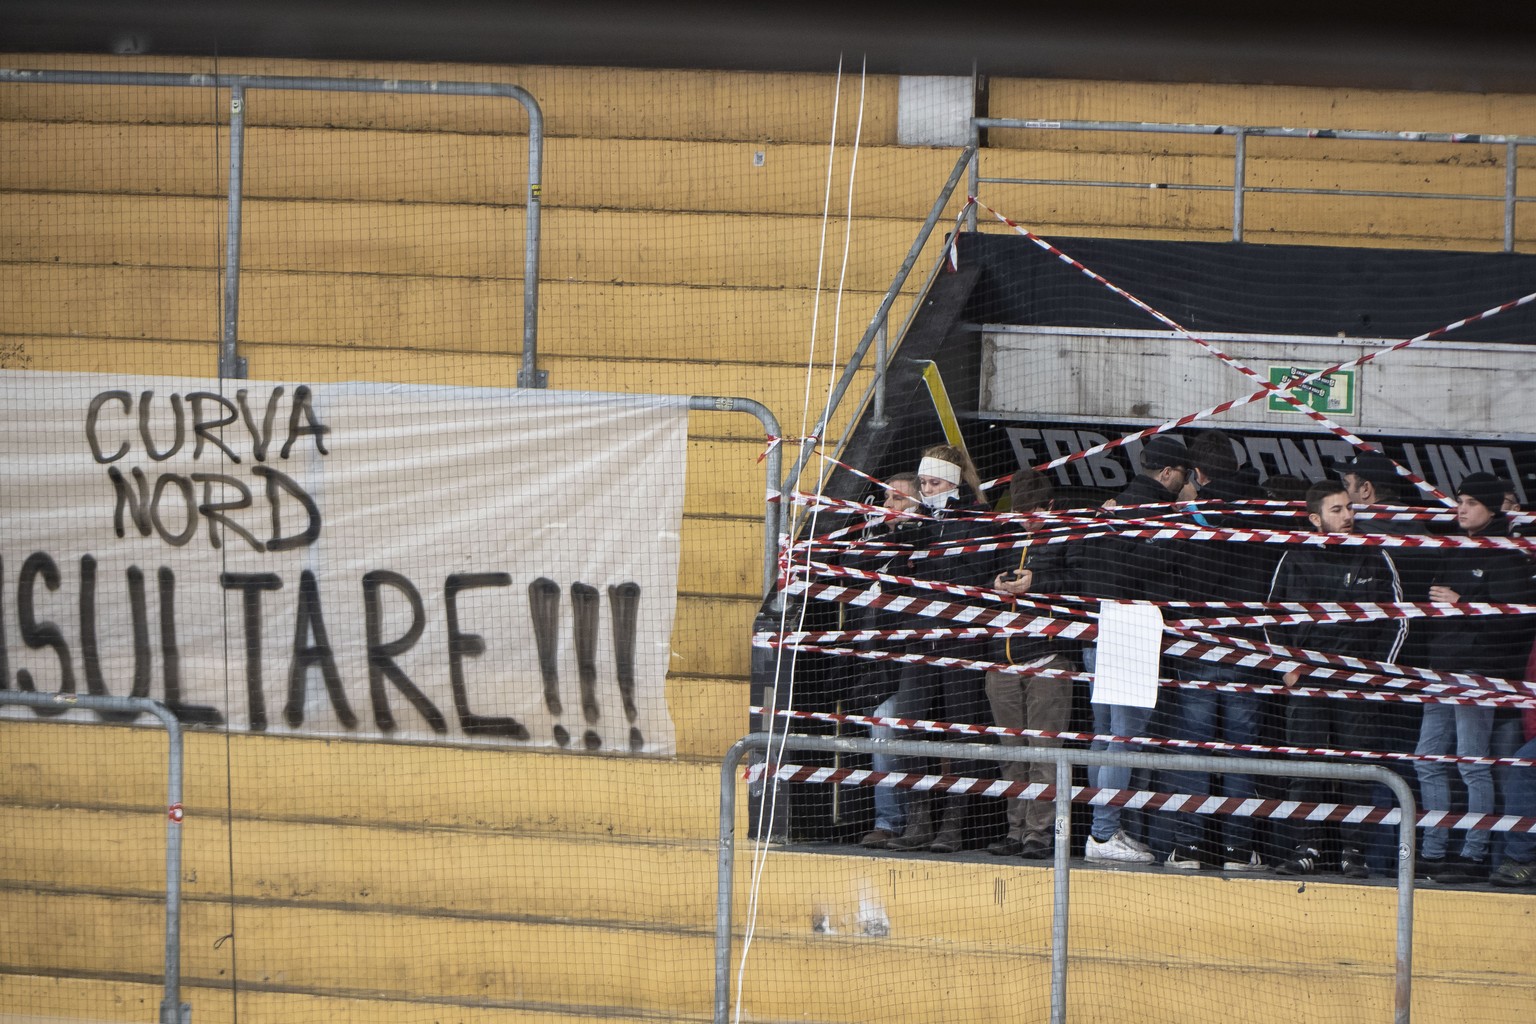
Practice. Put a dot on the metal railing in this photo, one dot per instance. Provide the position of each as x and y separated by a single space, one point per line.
778 496
878 333
172 1009
1064 759
231 364
1240 134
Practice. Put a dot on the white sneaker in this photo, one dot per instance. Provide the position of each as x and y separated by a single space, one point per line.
1253 863
1117 849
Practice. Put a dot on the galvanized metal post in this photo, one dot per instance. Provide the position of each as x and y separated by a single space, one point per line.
231 364
1061 888
172 1009
530 376
1239 178
773 514
1511 172
725 879
877 418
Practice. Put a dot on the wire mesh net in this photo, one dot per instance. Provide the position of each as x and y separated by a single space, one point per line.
398 601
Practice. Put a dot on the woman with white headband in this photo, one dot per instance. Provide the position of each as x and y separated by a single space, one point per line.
944 474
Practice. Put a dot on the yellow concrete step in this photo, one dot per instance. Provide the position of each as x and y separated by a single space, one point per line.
454 240
110 767
1345 973
1257 922
577 101
445 167
673 322
51 999
474 873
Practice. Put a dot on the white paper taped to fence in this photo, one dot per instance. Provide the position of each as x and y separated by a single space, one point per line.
372 560
1129 644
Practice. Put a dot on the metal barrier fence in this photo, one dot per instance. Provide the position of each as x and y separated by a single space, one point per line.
231 364
1064 759
172 1009
1240 134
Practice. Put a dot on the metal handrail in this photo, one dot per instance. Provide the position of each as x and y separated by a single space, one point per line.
1240 134
231 364
878 328
776 500
1064 758
172 1009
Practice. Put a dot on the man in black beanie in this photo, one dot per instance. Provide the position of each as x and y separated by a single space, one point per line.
1493 645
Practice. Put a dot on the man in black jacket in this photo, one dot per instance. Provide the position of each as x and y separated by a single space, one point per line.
1487 645
1334 573
1217 571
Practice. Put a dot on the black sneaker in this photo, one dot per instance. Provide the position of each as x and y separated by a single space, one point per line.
1424 868
1512 874
1459 870
1302 861
1037 849
1352 863
1006 847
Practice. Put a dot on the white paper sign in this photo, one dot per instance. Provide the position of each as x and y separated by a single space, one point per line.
441 564
1129 646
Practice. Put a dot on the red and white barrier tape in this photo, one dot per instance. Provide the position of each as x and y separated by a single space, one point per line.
1226 650
1289 612
1221 650
1202 746
1280 391
1272 689
1147 800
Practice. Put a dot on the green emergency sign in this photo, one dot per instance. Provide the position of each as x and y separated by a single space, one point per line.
1333 394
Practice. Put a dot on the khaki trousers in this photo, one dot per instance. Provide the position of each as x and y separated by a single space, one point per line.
1031 702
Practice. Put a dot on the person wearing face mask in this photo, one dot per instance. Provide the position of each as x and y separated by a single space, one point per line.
1487 645
950 491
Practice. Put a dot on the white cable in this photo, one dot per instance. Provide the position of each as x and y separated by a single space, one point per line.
768 807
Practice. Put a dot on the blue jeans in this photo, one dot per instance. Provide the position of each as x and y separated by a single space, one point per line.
1466 731
890 801
1115 720
1520 798
1212 715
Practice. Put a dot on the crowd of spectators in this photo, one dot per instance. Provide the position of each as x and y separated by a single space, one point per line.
937 524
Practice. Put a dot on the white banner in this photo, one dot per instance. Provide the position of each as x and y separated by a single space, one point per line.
365 560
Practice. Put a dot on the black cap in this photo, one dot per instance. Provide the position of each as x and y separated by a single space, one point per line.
1483 487
1372 466
1163 450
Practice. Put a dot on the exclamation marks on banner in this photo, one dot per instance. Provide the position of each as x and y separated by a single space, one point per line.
544 607
584 600
623 602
